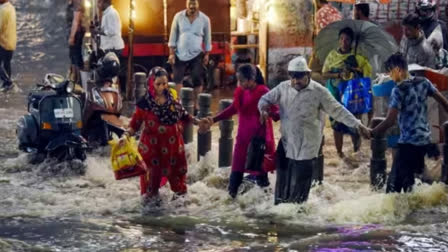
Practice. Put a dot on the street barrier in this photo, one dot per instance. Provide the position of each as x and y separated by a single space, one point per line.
140 85
226 140
378 161
187 97
204 139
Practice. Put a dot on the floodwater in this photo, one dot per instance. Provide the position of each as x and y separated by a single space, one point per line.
41 211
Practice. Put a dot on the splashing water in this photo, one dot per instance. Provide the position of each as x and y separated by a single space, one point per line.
50 207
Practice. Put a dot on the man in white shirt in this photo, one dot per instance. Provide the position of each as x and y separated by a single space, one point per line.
111 40
301 101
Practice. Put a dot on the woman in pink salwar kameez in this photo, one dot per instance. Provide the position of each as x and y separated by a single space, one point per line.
245 101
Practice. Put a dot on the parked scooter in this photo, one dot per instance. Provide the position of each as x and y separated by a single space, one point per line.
103 103
52 127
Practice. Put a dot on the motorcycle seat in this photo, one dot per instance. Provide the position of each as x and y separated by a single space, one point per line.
36 95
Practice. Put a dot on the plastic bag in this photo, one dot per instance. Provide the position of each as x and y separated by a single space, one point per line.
357 96
125 158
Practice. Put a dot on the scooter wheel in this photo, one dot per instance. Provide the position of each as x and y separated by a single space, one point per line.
36 158
80 154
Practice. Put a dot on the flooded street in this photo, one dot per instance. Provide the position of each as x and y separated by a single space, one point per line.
40 211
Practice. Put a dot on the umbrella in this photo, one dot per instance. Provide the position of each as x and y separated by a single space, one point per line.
370 41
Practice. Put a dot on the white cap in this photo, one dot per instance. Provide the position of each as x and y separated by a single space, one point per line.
361 2
298 64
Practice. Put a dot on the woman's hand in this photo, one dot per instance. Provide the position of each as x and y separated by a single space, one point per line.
204 125
129 132
365 132
264 115
346 75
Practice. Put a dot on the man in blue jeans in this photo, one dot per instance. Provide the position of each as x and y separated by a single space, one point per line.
408 104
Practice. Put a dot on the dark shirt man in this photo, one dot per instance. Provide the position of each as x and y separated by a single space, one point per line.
426 10
414 46
362 12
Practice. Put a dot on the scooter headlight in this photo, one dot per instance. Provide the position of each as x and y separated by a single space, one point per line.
70 87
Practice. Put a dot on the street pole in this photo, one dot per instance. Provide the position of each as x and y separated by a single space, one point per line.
205 138
444 178
226 140
187 98
129 81
378 161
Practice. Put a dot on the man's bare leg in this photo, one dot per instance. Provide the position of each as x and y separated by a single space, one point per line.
338 142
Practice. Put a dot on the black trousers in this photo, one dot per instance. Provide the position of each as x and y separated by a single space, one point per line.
75 50
294 178
5 64
194 65
410 159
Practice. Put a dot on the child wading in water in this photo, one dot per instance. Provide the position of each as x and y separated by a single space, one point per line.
408 103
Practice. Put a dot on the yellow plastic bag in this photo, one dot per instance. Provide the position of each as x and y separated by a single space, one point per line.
125 158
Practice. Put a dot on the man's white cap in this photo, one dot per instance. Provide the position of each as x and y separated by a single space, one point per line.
361 2
298 64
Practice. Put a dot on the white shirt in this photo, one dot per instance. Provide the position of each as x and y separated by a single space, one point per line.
301 119
188 37
111 26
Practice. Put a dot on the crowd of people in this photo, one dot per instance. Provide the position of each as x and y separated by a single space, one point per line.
298 103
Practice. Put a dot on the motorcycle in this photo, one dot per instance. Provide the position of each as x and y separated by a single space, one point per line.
52 127
103 103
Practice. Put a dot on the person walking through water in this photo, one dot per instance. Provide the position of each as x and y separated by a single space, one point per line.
301 101
161 143
408 103
8 41
189 30
245 100
335 70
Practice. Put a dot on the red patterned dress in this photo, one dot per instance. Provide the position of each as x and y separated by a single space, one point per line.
161 144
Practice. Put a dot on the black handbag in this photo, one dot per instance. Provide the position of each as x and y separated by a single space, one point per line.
255 151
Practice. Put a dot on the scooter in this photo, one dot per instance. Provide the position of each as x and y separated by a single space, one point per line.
103 104
52 127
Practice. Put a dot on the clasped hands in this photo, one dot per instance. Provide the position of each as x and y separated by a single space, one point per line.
205 124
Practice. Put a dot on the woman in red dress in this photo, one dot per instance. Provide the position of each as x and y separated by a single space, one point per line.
161 143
